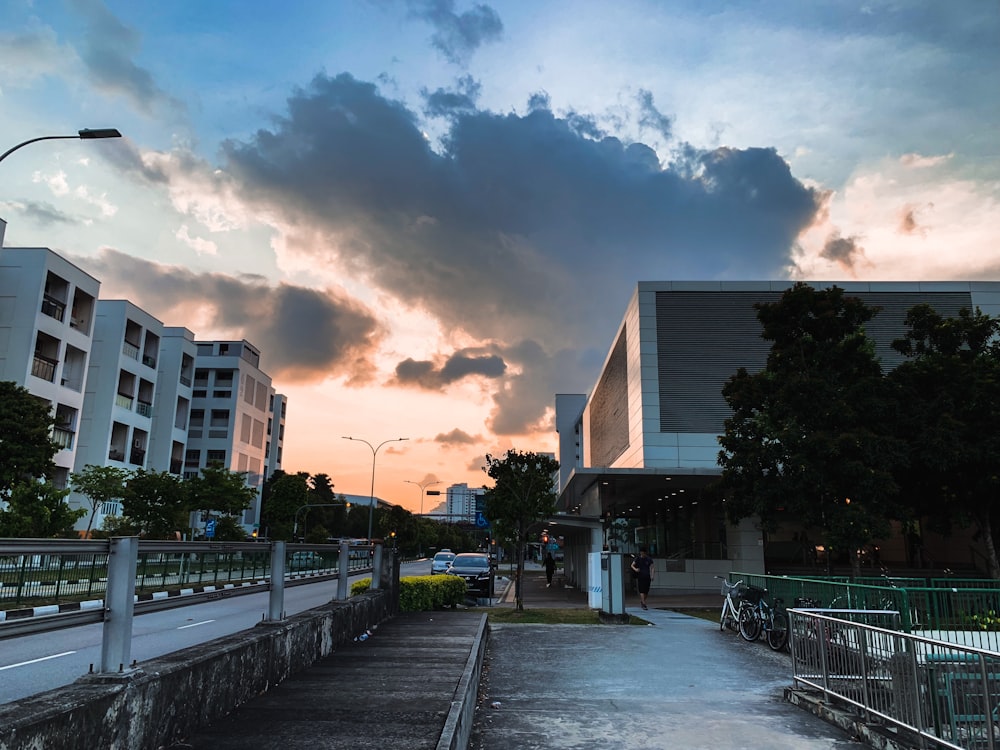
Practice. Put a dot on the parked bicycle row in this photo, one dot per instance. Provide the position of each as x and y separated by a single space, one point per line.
747 610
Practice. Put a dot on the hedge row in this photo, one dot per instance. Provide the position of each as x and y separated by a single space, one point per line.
422 593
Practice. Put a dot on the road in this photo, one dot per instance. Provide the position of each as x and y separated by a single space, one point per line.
34 663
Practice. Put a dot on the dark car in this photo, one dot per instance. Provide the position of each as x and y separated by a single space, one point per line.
476 569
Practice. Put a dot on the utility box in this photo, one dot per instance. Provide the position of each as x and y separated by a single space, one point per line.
612 587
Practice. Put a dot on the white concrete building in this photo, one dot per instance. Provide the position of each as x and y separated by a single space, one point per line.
230 413
172 400
462 502
47 313
643 444
118 415
275 434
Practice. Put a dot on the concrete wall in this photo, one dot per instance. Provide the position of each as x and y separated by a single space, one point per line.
170 697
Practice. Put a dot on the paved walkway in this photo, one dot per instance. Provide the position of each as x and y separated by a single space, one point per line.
677 683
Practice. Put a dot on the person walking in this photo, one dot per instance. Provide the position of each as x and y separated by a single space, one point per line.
550 569
643 568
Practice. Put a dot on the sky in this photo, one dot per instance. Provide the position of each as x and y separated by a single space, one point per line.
430 215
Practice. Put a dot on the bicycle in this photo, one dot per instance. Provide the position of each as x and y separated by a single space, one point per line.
761 617
730 616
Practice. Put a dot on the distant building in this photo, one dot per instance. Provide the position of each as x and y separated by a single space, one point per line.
462 503
231 414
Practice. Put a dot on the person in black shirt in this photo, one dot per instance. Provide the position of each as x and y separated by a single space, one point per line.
643 567
550 568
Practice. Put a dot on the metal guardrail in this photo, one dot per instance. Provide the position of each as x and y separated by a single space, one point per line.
962 614
218 569
943 695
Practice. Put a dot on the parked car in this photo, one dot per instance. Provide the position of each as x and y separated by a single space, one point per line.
306 560
442 561
477 570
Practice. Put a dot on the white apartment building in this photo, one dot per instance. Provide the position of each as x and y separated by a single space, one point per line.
47 313
462 503
172 400
275 434
231 407
118 413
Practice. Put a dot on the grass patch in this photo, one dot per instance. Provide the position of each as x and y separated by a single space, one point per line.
712 615
551 617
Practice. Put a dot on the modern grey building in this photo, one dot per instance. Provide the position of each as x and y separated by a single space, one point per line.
639 450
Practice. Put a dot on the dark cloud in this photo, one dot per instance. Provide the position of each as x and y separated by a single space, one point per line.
44 213
909 222
532 222
462 100
107 53
303 334
456 437
458 366
845 251
650 117
458 35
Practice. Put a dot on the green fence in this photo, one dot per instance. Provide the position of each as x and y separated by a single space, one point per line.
957 614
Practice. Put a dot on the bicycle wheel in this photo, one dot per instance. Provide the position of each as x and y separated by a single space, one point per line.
724 616
749 623
777 636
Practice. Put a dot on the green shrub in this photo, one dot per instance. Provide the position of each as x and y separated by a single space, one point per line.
422 593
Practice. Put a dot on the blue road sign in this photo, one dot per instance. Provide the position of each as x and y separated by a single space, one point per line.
481 521
210 528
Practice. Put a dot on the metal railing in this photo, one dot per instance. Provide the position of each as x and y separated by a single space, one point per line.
107 579
960 614
941 695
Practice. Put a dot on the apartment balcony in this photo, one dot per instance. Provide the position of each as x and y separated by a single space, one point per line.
44 368
149 361
137 456
116 454
123 401
130 350
53 308
176 466
185 380
144 409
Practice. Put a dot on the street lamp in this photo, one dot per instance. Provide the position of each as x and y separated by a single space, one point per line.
424 486
374 450
86 134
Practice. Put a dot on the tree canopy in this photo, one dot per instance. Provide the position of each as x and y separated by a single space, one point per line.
99 484
950 386
810 436
522 494
26 447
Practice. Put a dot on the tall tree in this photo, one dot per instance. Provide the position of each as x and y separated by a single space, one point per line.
26 447
950 387
99 484
221 490
156 503
810 435
285 503
522 494
38 510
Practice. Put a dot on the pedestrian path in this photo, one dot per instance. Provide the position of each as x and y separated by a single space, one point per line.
397 689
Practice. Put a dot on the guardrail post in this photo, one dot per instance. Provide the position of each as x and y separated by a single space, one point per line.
343 570
276 601
119 604
377 568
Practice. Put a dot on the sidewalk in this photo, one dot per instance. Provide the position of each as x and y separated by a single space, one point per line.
678 683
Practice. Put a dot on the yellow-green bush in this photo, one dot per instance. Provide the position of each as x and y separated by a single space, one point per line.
422 593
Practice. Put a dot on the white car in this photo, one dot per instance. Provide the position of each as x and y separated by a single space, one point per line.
442 561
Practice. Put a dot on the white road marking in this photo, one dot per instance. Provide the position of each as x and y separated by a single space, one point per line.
195 624
35 661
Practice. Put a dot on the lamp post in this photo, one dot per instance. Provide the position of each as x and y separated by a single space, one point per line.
374 450
86 134
424 486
